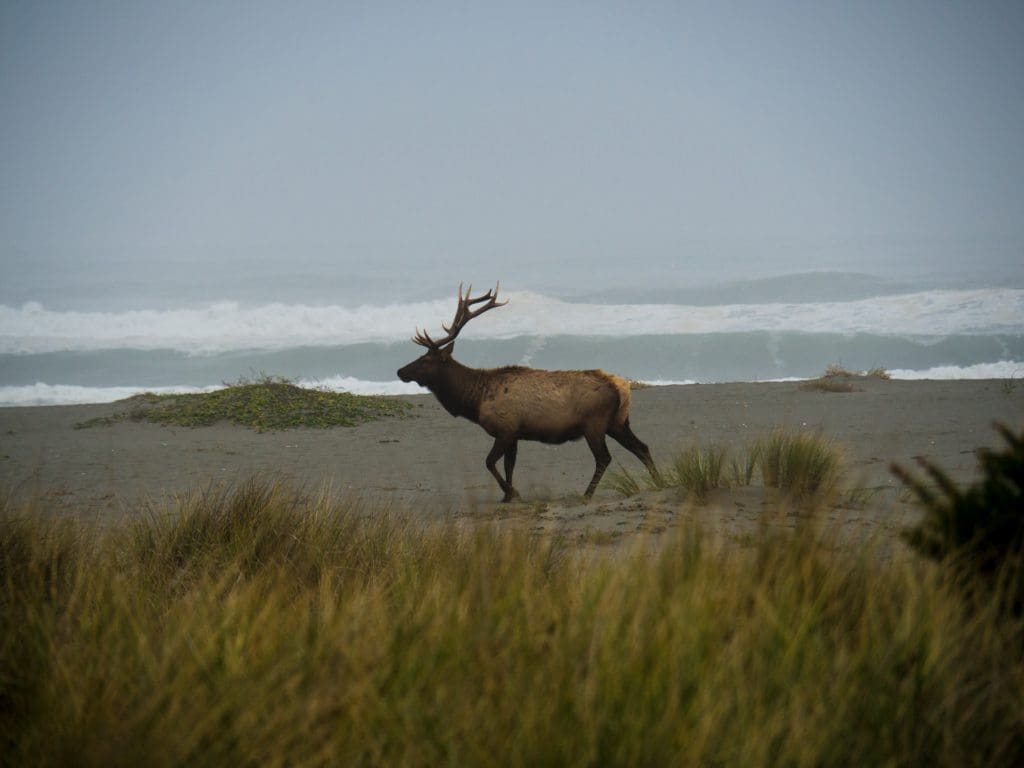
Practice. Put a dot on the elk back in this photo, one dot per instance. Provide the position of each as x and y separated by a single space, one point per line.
553 406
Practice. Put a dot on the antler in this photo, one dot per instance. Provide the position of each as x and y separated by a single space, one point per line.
462 316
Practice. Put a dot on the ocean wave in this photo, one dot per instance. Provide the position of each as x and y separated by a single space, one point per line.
71 394
666 382
224 326
1004 369
67 394
361 387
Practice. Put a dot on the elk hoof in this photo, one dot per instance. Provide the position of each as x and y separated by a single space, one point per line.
510 496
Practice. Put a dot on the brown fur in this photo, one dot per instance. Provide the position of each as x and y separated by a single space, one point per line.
624 396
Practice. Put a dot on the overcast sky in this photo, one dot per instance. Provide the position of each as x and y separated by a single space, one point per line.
596 133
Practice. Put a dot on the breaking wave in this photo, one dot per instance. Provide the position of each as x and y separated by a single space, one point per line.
225 326
70 394
66 394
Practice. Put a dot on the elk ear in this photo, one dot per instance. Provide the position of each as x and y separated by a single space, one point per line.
446 352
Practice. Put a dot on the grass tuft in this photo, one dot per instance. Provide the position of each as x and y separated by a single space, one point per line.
622 481
267 403
742 468
804 465
699 471
836 378
827 384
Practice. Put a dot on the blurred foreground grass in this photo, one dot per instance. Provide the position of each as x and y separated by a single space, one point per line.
261 626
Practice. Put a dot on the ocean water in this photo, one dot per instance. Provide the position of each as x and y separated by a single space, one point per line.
78 342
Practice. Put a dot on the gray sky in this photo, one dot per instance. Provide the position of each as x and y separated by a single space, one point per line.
718 137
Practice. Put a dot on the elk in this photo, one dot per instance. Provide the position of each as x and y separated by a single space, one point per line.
516 403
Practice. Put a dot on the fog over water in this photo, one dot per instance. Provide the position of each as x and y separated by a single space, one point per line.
688 191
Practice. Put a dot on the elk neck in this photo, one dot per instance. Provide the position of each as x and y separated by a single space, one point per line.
460 389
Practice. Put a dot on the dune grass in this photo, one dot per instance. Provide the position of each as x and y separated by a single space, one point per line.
266 403
698 471
743 466
805 466
828 384
625 482
695 471
259 626
836 378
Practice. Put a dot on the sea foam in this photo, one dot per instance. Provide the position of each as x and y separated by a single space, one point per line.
225 326
63 394
1004 369
69 394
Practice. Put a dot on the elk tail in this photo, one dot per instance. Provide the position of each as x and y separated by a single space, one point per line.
622 387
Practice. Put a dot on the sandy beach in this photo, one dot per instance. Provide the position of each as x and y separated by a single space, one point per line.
432 463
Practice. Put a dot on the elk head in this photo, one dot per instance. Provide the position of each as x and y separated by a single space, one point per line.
427 369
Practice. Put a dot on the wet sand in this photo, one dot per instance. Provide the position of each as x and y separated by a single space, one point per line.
432 463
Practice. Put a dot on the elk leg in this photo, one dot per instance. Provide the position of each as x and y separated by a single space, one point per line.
510 461
501 448
602 458
628 440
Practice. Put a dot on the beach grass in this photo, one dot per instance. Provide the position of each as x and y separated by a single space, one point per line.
741 468
258 625
805 466
836 378
266 403
624 482
828 384
698 471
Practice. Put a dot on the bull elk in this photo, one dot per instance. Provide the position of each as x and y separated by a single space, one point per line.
516 403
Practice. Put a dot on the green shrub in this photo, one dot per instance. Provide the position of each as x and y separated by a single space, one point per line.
979 530
264 404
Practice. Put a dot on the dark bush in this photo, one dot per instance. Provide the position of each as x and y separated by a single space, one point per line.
977 530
